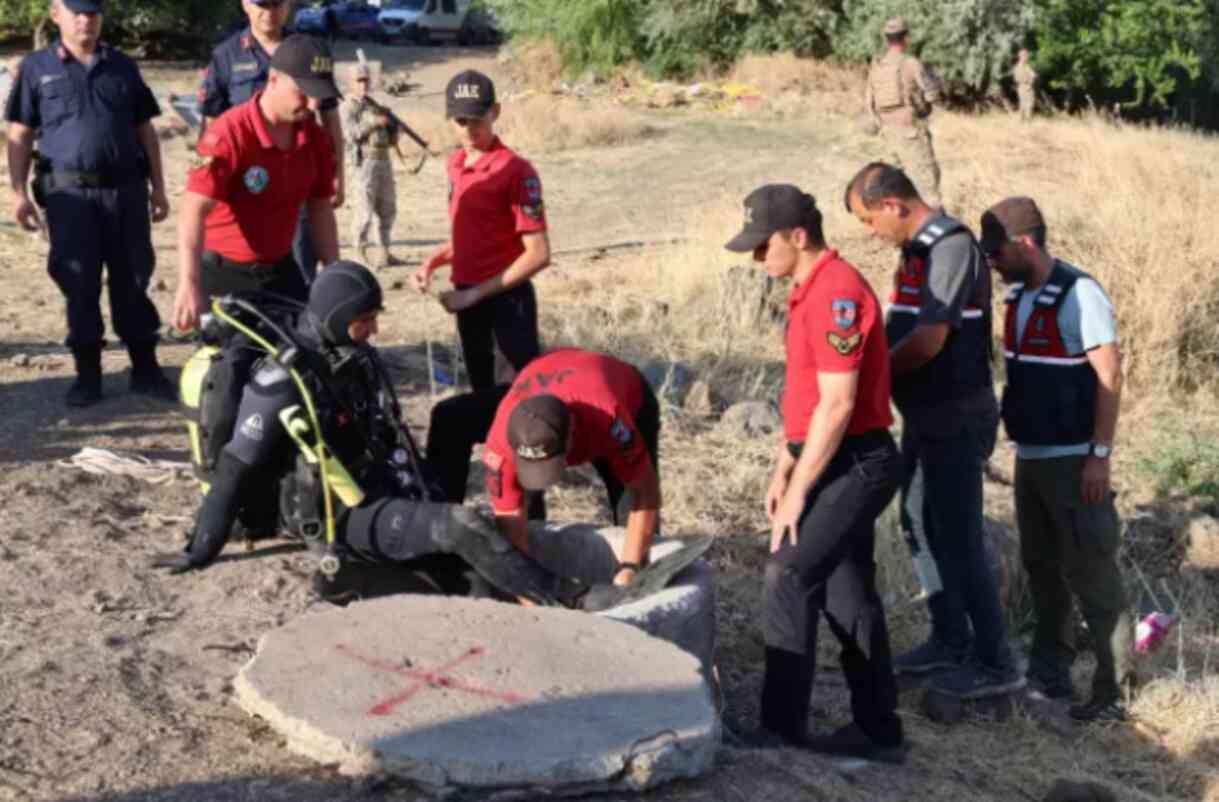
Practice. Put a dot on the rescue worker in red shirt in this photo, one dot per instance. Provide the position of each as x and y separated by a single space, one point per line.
837 468
498 241
256 166
572 407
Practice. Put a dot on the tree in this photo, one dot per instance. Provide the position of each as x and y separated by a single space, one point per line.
1135 53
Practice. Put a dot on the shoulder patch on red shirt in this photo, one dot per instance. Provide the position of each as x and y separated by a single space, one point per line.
845 312
845 345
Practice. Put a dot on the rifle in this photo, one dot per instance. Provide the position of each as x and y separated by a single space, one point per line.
398 124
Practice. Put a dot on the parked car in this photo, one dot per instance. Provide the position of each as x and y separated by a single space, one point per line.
353 19
421 21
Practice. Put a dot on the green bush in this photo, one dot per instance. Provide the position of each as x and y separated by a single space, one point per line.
1135 53
1183 463
596 35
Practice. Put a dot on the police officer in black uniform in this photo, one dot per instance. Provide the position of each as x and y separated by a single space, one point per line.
92 112
396 521
238 70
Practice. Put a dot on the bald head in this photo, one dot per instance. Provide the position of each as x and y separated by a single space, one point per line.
877 182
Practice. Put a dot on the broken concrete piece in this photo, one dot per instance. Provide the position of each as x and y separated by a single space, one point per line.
683 614
463 694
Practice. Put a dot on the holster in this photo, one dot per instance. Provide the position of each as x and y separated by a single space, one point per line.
38 183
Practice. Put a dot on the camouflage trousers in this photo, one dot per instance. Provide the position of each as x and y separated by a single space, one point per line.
375 197
1028 101
912 150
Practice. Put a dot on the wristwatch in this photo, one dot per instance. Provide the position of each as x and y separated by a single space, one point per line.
1100 450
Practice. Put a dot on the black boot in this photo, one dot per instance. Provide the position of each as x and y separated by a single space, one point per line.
87 389
146 376
786 687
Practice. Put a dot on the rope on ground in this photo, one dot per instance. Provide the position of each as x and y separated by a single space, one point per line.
103 462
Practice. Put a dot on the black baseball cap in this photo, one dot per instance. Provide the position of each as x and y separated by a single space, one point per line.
1008 219
308 61
768 209
537 432
84 6
469 94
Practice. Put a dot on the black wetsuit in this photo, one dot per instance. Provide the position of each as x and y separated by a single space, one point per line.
396 522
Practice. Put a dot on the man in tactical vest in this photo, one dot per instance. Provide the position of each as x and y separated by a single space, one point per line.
1060 406
373 140
899 99
939 332
319 433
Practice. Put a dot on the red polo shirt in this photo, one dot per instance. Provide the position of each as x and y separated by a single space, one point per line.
835 325
259 188
603 396
492 202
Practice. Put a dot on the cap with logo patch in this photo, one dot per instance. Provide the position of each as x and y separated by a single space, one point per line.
84 6
768 209
1007 219
537 432
308 61
469 94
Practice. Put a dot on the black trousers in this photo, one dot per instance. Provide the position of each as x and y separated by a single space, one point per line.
92 227
458 423
509 320
831 570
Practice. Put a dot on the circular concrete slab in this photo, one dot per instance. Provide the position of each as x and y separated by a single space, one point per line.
470 694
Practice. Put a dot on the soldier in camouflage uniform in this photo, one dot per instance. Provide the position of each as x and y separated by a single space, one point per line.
373 139
1026 85
899 99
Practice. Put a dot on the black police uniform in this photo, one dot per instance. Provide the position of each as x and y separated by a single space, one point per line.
92 175
396 522
238 71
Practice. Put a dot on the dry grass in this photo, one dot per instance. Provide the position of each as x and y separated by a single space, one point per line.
534 124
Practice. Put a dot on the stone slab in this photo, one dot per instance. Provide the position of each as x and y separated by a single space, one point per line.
464 694
683 613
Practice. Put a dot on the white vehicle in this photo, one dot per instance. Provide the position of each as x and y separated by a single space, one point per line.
421 21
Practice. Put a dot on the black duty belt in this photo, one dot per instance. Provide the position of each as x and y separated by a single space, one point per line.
260 268
75 179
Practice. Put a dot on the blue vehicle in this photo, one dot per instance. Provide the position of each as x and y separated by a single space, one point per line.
353 19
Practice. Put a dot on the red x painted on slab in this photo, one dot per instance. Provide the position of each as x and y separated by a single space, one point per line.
437 678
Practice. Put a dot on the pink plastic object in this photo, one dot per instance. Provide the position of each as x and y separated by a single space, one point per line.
1152 630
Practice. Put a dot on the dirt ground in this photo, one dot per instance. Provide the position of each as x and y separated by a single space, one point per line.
115 678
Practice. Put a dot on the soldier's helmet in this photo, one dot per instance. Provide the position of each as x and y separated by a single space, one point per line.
895 26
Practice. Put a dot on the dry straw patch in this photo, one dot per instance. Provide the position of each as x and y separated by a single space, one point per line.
548 124
1129 205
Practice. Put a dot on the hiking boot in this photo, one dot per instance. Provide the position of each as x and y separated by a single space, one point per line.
760 738
1099 711
154 385
975 681
87 389
146 375
1051 684
852 741
934 655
